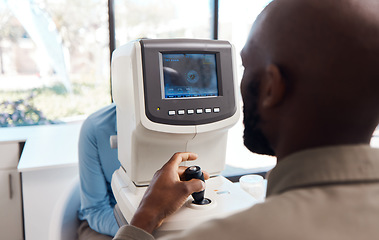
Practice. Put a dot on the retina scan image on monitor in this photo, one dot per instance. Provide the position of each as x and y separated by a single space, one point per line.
189 75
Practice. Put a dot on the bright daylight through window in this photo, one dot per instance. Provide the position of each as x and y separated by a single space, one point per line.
54 60
162 19
54 54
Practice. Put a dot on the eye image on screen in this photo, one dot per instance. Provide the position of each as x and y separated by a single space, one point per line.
189 75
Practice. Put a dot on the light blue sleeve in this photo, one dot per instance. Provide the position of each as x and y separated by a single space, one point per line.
95 200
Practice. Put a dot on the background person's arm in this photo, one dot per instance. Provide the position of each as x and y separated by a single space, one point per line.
95 202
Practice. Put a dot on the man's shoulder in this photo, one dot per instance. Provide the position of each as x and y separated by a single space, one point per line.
256 222
276 218
312 213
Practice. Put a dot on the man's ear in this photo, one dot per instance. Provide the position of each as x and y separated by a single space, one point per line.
273 87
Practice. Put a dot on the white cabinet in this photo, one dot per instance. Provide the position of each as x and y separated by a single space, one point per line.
11 225
42 189
47 166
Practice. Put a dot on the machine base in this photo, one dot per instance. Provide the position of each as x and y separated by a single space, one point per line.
226 198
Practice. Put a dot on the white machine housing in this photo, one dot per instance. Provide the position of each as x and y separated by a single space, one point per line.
144 144
156 118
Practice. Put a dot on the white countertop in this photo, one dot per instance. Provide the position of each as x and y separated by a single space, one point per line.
51 146
46 146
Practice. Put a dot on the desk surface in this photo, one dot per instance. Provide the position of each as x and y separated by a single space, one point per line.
46 146
53 146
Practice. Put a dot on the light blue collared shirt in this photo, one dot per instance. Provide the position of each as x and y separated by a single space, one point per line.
97 162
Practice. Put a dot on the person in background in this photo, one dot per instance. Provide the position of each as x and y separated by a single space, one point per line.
311 93
97 162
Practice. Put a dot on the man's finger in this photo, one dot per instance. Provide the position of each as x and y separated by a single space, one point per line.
182 169
179 157
194 185
206 175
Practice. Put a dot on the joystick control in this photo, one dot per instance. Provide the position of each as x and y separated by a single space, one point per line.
195 172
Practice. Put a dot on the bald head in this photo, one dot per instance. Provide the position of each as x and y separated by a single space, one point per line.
318 40
327 56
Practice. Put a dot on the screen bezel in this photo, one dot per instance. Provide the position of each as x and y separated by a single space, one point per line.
156 107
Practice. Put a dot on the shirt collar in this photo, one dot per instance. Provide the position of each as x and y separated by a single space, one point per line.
321 166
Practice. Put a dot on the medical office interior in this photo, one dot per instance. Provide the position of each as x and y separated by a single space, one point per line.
55 70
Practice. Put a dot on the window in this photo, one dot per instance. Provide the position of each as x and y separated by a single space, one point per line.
162 19
54 60
235 21
54 54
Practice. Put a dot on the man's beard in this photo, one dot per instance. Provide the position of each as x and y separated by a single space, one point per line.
254 139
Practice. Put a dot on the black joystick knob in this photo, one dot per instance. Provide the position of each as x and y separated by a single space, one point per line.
195 172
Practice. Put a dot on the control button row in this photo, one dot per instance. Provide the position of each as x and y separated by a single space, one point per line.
192 111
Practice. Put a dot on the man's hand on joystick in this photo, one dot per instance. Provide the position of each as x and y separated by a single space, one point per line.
168 191
194 172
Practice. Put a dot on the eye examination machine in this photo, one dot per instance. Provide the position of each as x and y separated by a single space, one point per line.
175 95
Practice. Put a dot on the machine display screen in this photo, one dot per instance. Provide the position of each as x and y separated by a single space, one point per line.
189 75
